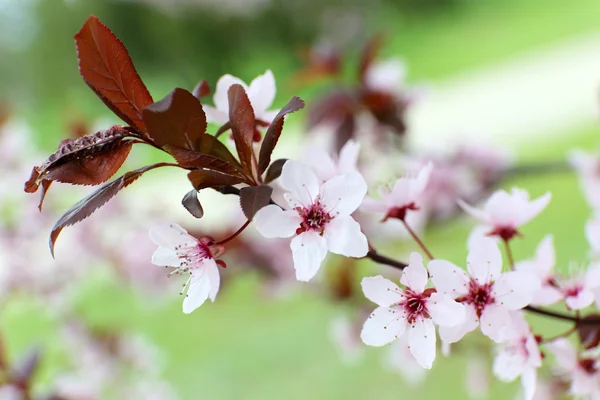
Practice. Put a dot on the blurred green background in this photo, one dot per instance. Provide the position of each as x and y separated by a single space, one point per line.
245 345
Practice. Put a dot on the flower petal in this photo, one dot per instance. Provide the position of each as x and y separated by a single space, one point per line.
171 235
564 353
534 207
508 364
494 320
381 291
371 205
215 115
165 257
383 326
262 93
452 334
342 194
348 157
197 293
301 182
271 222
213 276
415 275
546 296
473 212
448 278
529 383
308 251
484 261
221 97
344 237
584 298
514 290
421 339
321 163
445 311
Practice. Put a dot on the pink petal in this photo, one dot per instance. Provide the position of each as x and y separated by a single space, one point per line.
415 275
452 334
484 261
308 251
445 311
271 222
171 235
165 257
382 327
221 97
592 276
474 212
494 321
448 278
583 299
508 365
381 291
342 194
564 353
262 93
344 237
421 339
534 208
301 182
321 163
547 295
514 290
417 186
400 194
371 205
592 233
213 276
197 293
348 157
215 115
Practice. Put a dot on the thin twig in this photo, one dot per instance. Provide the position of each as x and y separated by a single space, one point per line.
509 255
381 259
552 314
418 240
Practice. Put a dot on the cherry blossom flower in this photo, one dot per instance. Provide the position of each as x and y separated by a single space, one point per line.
261 94
189 255
519 355
386 76
477 377
578 289
326 167
400 360
415 307
542 266
344 333
588 168
582 371
487 293
319 218
592 233
505 212
404 196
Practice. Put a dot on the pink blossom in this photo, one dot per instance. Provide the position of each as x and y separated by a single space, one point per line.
588 168
504 213
415 307
261 94
386 76
326 167
405 196
344 333
519 355
592 233
487 293
400 359
542 266
580 369
188 255
578 289
319 218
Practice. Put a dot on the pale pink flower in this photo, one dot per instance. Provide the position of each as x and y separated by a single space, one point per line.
415 307
579 288
519 355
487 293
345 334
582 371
261 94
326 167
386 76
319 218
189 255
588 168
592 233
504 213
404 196
400 359
543 267
478 377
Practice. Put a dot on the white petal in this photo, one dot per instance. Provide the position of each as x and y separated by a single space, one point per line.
221 96
474 212
445 311
348 157
494 320
197 293
344 237
592 276
448 278
342 194
381 291
321 163
514 290
171 235
215 115
421 339
564 353
213 276
508 365
545 257
417 186
452 334
546 296
383 326
262 93
300 181
529 383
484 261
534 207
583 299
271 222
371 205
165 257
308 250
415 275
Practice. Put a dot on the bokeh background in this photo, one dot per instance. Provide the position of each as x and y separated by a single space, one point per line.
516 75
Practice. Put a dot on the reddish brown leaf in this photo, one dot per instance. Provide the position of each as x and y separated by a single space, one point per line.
368 54
202 89
274 170
212 146
588 329
241 118
253 198
334 107
89 160
85 207
191 203
106 67
344 132
176 120
204 178
274 131
193 159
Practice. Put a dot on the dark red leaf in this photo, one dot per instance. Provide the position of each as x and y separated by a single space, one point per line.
106 67
89 160
193 159
368 54
202 89
274 170
334 107
192 204
386 108
176 120
588 329
241 118
253 198
210 145
85 207
274 131
204 178
344 132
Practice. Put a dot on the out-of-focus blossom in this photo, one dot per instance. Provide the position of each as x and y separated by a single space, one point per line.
582 371
504 213
487 293
400 359
386 76
415 307
579 287
592 233
319 218
261 94
405 196
477 377
519 355
345 334
189 255
326 167
543 267
587 165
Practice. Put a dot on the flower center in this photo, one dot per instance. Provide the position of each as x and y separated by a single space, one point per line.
504 232
399 212
192 257
314 218
479 295
588 365
414 305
